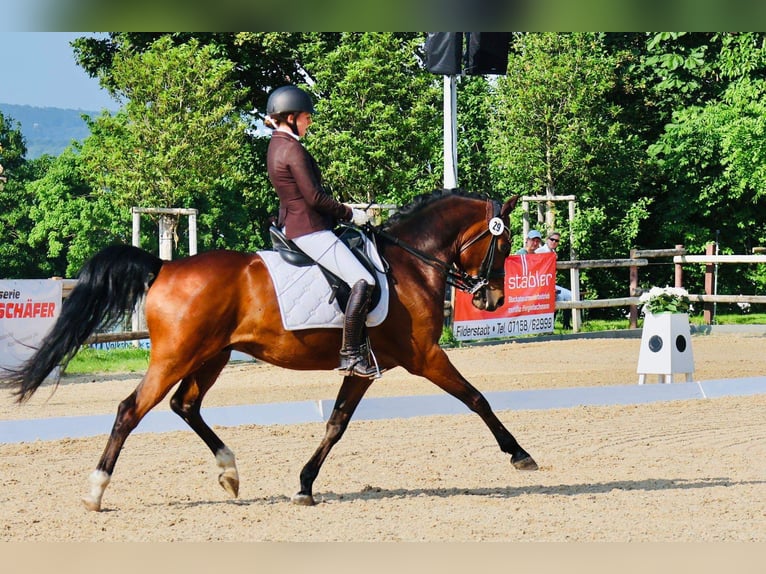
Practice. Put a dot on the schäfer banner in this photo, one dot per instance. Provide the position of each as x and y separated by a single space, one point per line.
28 309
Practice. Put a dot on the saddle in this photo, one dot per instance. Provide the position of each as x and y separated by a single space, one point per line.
353 237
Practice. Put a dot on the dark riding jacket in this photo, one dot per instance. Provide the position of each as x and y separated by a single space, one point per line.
304 205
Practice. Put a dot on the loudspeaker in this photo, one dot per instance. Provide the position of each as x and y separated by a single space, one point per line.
444 53
487 53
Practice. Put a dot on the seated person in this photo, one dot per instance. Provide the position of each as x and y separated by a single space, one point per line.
531 243
562 293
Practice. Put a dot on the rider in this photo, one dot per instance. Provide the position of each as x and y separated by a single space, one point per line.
308 214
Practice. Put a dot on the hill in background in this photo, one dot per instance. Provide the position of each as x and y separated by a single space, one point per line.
48 130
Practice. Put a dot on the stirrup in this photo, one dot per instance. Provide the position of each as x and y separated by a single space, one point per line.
356 365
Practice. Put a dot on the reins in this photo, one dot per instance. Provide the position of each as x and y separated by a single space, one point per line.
455 277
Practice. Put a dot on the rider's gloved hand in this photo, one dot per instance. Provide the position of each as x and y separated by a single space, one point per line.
359 217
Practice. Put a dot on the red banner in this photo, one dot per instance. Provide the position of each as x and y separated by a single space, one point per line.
530 302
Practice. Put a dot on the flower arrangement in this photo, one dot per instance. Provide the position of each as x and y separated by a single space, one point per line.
665 300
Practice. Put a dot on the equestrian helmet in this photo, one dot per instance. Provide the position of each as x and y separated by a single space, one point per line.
289 100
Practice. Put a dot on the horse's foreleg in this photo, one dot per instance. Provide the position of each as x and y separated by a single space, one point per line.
129 414
351 392
443 373
187 402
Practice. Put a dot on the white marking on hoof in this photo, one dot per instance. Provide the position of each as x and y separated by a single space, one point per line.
99 480
229 478
303 499
225 458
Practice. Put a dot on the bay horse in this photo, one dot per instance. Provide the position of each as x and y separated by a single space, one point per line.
200 308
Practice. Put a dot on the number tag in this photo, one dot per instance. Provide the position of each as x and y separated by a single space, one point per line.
496 226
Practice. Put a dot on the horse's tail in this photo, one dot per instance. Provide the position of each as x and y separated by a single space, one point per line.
109 286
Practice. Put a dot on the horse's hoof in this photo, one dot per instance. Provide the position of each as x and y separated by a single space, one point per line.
526 463
229 483
91 504
303 499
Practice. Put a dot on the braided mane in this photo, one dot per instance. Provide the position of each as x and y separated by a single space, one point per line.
422 201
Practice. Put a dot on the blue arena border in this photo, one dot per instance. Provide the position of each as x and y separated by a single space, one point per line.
377 408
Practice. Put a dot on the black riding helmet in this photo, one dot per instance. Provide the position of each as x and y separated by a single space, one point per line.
289 100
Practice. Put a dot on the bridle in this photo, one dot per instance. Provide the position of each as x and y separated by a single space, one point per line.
458 278
486 273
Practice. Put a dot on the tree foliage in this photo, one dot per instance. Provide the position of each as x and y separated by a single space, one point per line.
177 134
377 109
72 222
558 132
18 258
713 150
263 59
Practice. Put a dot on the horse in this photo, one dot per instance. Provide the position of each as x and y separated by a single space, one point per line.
201 308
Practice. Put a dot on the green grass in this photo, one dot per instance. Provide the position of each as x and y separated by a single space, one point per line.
128 360
733 319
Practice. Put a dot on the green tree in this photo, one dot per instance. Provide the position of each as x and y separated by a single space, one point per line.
713 150
18 260
263 59
557 131
71 222
235 212
474 111
378 122
175 142
176 133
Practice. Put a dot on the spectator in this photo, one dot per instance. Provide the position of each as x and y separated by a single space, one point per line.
551 244
562 293
532 242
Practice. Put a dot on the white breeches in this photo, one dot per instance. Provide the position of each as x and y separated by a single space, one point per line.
325 248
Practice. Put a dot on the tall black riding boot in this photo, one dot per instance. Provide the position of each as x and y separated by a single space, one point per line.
352 360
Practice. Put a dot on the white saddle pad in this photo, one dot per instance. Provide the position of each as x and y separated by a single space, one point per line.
304 294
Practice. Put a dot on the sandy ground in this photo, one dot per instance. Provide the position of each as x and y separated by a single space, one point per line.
673 471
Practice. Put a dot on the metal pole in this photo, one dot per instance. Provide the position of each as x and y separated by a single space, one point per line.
193 233
136 227
450 132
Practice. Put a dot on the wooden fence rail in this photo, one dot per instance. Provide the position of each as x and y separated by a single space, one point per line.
639 258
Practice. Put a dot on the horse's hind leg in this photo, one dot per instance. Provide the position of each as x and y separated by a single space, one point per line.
153 387
351 392
187 401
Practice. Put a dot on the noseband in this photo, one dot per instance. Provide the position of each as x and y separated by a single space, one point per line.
457 277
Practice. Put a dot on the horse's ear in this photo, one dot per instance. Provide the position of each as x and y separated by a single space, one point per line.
508 206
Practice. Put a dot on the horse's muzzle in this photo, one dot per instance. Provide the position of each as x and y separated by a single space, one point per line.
488 299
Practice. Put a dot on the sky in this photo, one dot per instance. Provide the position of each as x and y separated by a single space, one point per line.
39 69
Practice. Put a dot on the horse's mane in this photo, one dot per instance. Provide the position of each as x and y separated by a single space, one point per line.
422 201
